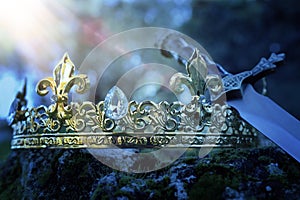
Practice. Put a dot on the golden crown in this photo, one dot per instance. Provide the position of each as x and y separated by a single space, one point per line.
115 122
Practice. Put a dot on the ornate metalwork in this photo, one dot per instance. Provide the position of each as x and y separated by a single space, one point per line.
61 83
145 124
195 79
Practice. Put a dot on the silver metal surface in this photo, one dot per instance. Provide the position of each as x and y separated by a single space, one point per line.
270 119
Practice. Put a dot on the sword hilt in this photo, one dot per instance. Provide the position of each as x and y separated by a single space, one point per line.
232 83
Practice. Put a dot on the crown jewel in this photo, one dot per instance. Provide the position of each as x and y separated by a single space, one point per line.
115 103
115 122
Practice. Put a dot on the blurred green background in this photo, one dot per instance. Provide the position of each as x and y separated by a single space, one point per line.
236 33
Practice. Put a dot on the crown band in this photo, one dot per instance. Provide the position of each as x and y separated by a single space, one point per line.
127 124
41 131
134 140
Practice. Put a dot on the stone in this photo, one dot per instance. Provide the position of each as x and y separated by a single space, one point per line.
76 174
115 103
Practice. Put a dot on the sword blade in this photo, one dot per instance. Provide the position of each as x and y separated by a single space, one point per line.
270 119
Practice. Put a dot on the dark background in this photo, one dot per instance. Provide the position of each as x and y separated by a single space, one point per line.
236 33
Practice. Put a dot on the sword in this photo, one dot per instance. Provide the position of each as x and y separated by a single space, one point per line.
260 111
270 119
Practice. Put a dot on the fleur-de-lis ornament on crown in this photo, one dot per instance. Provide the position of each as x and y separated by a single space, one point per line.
197 78
61 83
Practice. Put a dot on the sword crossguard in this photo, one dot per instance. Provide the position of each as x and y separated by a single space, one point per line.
233 83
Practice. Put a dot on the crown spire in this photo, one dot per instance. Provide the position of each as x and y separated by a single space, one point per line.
63 80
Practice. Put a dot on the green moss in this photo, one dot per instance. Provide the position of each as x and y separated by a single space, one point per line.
45 177
208 187
153 194
166 181
244 170
10 186
225 155
293 172
265 159
212 181
235 167
190 160
100 193
160 189
12 191
124 180
120 193
214 177
191 153
151 184
4 150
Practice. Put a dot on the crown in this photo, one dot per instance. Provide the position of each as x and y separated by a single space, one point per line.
117 122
